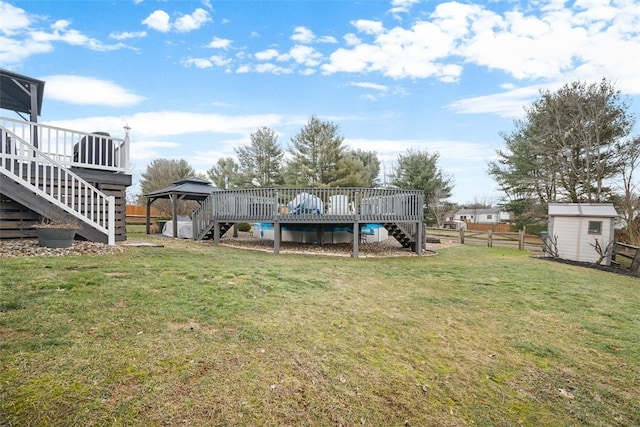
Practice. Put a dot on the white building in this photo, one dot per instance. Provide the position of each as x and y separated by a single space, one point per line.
482 216
574 229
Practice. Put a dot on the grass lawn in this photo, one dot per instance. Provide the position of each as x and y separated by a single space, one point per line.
197 334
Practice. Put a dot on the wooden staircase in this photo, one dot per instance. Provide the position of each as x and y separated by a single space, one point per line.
30 199
35 180
401 234
207 233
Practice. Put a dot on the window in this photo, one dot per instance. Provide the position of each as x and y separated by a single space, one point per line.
595 227
489 216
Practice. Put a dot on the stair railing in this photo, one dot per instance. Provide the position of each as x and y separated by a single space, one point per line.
54 182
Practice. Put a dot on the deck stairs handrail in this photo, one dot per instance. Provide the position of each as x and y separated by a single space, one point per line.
72 148
53 181
328 205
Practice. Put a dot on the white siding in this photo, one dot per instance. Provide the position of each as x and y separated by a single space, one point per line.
574 240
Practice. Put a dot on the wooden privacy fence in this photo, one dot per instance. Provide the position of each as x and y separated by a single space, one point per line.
499 228
138 214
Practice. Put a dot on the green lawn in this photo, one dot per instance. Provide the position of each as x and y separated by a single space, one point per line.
197 334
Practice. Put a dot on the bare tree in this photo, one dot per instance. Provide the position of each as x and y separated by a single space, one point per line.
628 198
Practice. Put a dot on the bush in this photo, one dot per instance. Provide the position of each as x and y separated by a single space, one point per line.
244 226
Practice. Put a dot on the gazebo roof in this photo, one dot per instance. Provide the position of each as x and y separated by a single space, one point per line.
15 93
192 188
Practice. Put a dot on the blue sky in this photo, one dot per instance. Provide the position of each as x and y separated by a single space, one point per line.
194 78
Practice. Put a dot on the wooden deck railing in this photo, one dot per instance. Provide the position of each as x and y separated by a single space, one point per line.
51 180
310 205
67 147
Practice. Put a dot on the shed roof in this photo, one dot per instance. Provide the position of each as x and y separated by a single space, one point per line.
604 210
15 92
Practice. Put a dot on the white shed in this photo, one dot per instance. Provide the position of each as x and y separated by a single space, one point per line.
577 226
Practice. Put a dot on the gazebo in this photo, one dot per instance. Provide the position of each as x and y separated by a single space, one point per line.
192 188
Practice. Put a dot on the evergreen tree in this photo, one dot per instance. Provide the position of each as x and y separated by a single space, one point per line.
316 151
260 162
418 170
225 174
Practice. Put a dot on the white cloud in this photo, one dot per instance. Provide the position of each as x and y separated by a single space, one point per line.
388 149
12 19
306 36
62 33
272 68
125 35
14 51
173 123
166 125
367 85
303 35
305 55
159 20
367 26
218 43
145 150
19 41
351 39
187 23
89 91
585 40
508 104
213 60
267 55
196 62
416 52
401 6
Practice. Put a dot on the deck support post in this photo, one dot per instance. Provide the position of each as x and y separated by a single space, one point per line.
277 236
419 238
356 238
148 216
216 232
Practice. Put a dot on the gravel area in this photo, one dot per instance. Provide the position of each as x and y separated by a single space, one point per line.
24 248
387 248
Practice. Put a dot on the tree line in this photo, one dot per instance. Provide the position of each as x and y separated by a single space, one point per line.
316 156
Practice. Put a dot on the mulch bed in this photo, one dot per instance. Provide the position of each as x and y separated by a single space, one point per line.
616 269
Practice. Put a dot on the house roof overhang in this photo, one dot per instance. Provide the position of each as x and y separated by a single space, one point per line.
21 93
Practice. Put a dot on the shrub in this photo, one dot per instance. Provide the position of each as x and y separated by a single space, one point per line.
244 226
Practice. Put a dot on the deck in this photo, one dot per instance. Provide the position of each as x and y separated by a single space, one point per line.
399 211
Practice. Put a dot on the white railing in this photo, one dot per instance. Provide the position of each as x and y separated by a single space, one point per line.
50 179
71 148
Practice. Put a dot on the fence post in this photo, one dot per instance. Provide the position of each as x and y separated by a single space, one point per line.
635 264
490 238
521 240
462 236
